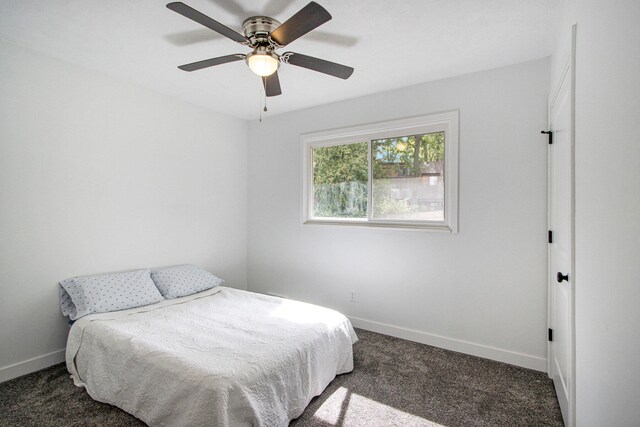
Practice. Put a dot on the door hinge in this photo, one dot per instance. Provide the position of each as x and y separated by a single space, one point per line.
550 133
550 236
550 333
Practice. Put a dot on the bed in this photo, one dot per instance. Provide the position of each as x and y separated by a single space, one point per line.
222 357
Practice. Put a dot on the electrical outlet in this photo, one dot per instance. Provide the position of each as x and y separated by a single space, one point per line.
353 296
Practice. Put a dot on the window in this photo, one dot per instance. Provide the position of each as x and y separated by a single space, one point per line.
340 176
401 173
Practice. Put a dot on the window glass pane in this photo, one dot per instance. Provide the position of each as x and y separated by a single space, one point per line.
340 175
408 177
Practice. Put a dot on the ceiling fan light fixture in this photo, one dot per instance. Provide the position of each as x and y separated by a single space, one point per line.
263 63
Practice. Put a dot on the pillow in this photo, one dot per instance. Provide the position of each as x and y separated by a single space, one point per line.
107 292
66 305
174 282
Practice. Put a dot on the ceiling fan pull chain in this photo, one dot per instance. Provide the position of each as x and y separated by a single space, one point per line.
262 95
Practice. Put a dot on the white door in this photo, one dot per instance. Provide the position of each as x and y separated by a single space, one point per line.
561 249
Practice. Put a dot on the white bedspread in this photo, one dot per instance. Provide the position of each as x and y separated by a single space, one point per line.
223 357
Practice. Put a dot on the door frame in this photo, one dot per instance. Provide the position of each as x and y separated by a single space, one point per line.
568 71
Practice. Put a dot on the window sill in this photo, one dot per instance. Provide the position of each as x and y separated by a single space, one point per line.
363 223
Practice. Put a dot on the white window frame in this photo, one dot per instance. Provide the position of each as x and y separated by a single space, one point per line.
446 122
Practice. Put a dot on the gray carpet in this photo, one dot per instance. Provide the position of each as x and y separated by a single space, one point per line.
395 383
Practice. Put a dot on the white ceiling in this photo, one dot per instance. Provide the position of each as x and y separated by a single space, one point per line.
390 43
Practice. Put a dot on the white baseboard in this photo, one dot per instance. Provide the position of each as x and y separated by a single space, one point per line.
31 365
512 357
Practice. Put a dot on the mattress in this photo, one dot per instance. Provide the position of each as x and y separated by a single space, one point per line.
223 357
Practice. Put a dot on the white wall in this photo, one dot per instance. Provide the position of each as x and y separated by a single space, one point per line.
481 291
96 176
607 274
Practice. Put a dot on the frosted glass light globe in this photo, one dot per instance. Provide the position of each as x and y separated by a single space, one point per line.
263 64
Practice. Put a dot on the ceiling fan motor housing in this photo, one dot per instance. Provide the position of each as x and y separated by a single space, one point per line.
258 28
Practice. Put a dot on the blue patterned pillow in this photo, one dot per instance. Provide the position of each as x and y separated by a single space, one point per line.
183 280
66 305
107 292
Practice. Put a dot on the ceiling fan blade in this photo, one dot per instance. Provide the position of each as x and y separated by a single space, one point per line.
211 62
317 64
272 85
202 19
309 17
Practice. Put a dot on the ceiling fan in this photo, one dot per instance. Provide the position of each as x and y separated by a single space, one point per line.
265 35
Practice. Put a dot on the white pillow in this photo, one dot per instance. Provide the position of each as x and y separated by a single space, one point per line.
174 282
107 292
